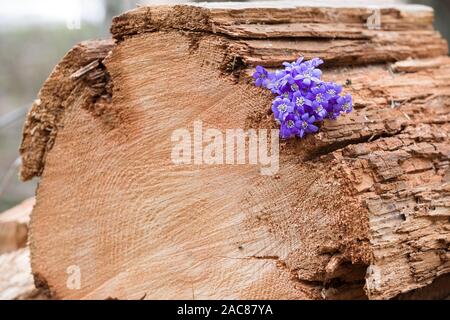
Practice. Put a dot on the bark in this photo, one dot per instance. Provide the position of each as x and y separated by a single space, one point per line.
360 210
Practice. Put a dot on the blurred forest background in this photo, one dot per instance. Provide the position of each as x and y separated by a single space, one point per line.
35 35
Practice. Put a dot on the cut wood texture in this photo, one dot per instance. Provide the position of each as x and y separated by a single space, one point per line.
360 210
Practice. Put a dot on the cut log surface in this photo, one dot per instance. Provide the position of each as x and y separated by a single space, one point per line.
14 226
359 210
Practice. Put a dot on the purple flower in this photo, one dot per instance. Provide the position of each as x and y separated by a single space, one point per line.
302 98
315 62
318 95
320 112
300 102
319 102
332 90
291 67
281 107
306 125
261 77
289 127
307 72
286 94
275 81
285 86
308 76
345 103
333 111
294 87
342 104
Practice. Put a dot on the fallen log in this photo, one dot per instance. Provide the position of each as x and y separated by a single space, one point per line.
359 210
16 279
14 226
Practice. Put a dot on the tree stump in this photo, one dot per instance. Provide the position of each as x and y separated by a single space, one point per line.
359 210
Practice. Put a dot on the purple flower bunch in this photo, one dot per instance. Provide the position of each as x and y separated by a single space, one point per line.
302 98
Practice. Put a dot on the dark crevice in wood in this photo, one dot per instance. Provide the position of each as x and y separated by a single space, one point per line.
100 84
338 145
345 282
437 290
42 286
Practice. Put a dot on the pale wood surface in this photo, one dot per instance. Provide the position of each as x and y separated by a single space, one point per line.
370 192
16 279
15 274
14 226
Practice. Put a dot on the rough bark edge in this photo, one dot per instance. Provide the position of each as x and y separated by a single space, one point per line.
228 19
438 290
268 36
46 115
